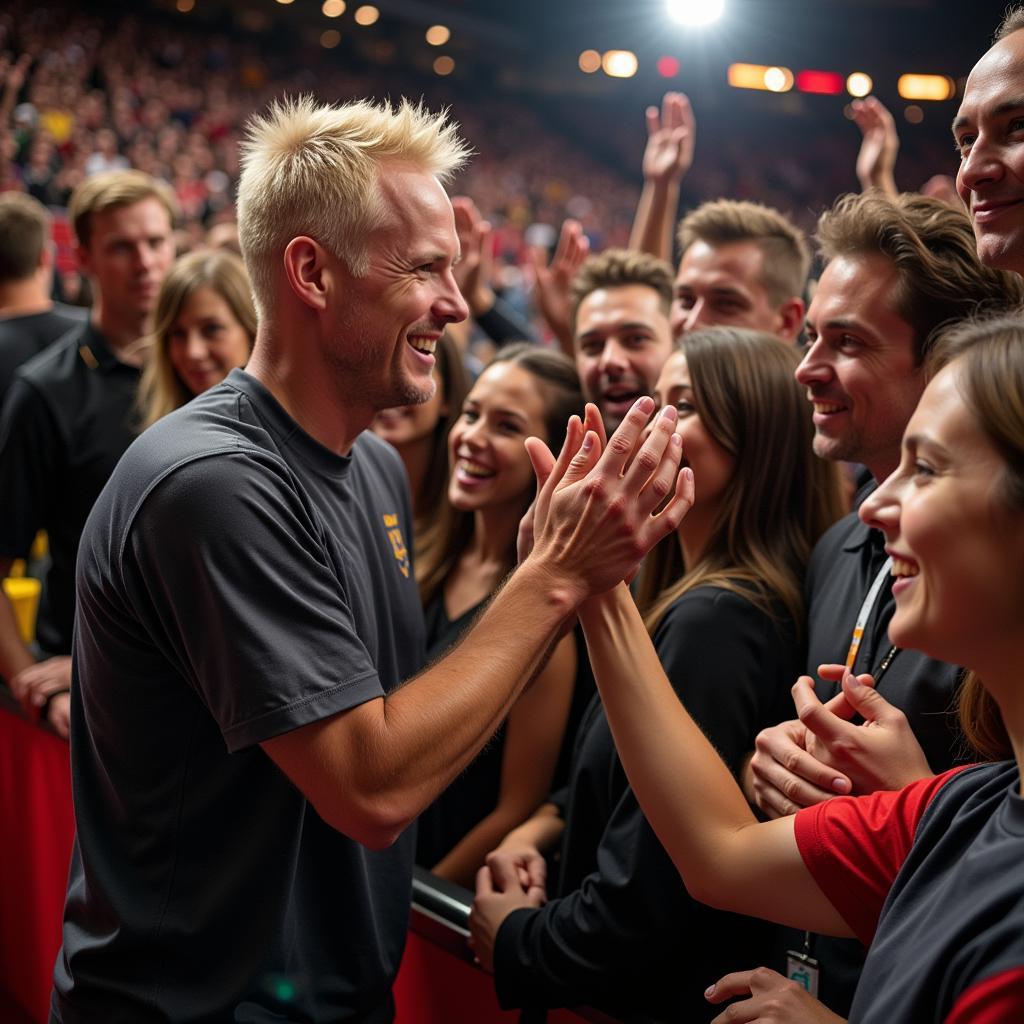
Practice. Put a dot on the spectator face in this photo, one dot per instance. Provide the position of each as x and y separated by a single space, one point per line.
860 370
490 468
206 341
407 424
956 546
391 317
989 130
622 341
130 250
712 465
721 286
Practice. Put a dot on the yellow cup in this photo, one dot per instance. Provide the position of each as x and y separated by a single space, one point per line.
23 592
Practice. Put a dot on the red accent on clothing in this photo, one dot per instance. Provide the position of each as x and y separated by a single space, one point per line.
996 1000
854 846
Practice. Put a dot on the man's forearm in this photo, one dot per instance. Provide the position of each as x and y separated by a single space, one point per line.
655 217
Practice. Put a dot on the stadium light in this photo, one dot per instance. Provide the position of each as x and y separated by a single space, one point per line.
859 84
619 63
695 12
668 67
825 83
590 61
438 35
926 87
758 76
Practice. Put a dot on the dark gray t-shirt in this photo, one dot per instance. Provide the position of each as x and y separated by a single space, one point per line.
236 580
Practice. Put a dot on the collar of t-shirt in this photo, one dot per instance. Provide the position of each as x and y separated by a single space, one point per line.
95 351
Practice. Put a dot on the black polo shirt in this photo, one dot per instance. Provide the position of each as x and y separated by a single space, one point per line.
22 337
67 419
843 566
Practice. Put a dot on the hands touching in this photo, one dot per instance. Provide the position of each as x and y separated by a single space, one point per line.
877 157
512 878
46 684
822 754
594 517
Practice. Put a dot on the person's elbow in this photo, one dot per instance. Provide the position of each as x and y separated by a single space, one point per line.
375 821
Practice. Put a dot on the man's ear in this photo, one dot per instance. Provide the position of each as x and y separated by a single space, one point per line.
309 271
791 319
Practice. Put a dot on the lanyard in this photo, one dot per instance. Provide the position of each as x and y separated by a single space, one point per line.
865 612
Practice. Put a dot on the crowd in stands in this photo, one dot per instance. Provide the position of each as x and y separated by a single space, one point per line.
605 461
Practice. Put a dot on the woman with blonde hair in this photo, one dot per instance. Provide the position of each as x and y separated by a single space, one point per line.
204 326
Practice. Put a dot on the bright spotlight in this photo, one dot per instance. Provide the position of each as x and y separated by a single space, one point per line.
859 84
695 12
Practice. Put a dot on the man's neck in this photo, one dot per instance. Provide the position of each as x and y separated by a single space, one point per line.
123 334
306 394
23 298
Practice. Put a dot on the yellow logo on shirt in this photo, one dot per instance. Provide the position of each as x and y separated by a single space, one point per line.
398 548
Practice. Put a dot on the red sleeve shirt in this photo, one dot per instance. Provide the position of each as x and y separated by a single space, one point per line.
854 846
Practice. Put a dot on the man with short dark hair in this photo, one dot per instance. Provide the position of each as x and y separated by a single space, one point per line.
619 303
742 264
69 415
29 318
897 270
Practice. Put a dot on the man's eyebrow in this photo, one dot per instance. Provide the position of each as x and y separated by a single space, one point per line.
1006 107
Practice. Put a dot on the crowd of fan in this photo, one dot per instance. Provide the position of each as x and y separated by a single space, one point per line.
140 135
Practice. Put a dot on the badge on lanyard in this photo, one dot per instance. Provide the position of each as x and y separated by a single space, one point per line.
802 968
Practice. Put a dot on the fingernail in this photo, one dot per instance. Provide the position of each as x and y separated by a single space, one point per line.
709 991
676 441
853 682
669 412
645 405
841 785
588 442
687 472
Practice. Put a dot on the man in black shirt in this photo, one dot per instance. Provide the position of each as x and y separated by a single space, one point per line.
29 318
896 271
68 417
246 760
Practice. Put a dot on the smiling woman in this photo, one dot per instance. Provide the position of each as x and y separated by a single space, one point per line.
204 326
525 391
928 876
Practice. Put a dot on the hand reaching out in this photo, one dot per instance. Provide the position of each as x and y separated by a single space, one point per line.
473 271
552 280
770 999
671 138
881 753
877 157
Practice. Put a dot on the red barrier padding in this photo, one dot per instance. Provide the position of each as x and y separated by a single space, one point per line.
38 826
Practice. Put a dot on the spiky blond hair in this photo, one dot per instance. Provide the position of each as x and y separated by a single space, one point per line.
311 169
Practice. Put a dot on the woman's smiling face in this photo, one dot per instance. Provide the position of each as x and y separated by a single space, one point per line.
958 549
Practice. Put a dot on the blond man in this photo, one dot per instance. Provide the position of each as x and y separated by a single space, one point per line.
248 763
67 419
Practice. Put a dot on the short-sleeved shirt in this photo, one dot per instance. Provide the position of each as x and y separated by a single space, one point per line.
622 933
22 337
931 877
843 566
237 581
67 419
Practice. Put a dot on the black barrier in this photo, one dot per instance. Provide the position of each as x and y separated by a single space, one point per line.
440 915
